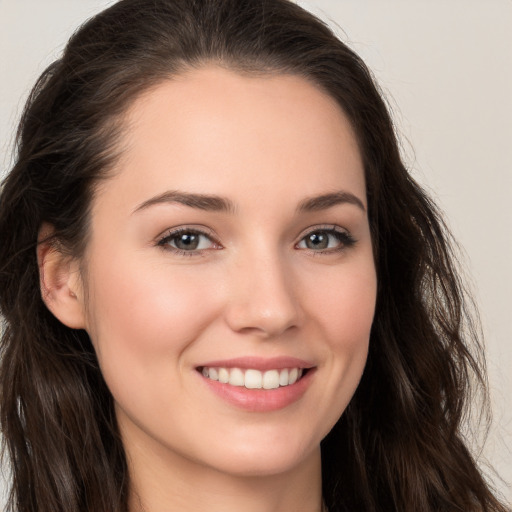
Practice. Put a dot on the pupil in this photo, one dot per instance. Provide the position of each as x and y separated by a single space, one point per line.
187 241
318 241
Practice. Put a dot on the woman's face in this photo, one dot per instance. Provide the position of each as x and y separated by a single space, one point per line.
232 244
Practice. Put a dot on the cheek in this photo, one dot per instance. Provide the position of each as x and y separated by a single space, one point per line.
342 307
345 306
138 317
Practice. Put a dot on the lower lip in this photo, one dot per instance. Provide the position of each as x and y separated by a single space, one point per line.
260 400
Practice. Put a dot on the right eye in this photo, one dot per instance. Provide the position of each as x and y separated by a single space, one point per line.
186 240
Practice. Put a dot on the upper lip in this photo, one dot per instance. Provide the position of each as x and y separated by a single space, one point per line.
259 363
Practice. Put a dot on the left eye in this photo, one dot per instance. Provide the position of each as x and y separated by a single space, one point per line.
325 239
187 240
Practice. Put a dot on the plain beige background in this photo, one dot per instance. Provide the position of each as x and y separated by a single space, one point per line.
446 69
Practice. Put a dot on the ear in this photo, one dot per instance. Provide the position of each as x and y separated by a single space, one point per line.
59 279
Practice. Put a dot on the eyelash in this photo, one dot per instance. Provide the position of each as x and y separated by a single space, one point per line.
345 239
173 234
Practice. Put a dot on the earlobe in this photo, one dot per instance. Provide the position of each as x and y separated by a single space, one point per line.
59 280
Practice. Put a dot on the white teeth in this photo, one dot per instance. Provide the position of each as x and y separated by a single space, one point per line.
254 379
236 377
294 373
271 379
223 375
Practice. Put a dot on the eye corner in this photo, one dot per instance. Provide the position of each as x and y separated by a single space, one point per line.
193 244
324 238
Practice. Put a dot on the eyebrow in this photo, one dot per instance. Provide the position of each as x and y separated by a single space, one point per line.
222 204
325 201
199 201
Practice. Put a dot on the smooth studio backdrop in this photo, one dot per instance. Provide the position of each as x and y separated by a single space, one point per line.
446 70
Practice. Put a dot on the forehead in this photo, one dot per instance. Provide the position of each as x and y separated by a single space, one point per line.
210 129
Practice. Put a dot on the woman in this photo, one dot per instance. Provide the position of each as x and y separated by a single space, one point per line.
221 287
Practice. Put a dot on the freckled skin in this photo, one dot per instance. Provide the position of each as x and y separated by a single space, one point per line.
265 143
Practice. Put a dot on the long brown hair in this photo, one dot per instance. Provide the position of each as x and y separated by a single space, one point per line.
398 446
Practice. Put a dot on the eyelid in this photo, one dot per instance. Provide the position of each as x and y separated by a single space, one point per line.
323 227
200 230
196 228
346 240
328 228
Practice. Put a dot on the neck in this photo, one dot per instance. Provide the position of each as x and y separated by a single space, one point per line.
164 483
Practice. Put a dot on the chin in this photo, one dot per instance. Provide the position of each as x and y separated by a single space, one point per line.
251 459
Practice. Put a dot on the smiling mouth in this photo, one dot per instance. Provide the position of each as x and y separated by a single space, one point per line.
254 379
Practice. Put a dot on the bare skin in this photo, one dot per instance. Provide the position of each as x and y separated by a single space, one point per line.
178 284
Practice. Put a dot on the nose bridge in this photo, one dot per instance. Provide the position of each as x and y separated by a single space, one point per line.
262 293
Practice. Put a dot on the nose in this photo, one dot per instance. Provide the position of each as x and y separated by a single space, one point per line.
263 298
